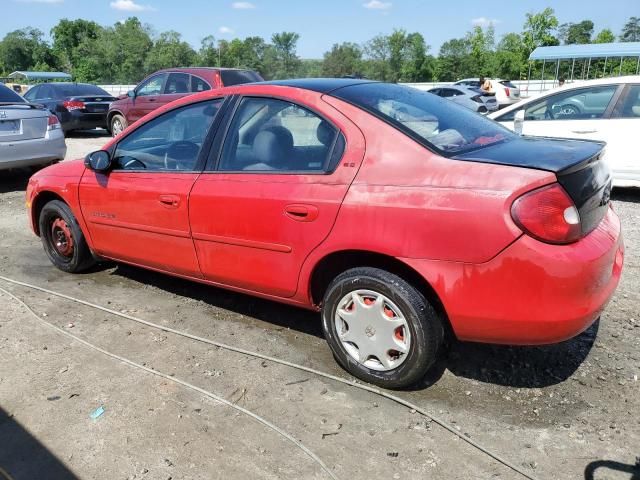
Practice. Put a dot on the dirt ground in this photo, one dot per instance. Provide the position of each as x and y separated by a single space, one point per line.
557 412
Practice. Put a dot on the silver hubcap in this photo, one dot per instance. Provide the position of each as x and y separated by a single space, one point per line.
372 329
117 127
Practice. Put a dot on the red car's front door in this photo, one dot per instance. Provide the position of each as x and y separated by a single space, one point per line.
139 211
148 97
281 178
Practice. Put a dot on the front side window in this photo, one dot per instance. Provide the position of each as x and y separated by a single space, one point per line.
436 123
629 104
152 86
170 142
579 104
177 83
274 135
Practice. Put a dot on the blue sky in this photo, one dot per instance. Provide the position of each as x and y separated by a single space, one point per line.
320 24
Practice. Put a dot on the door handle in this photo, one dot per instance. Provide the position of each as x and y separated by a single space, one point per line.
584 131
151 100
170 201
302 213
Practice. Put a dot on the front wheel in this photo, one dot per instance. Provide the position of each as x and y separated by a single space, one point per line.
62 238
117 125
381 329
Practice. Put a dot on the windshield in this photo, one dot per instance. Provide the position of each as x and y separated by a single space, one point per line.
436 123
9 96
80 89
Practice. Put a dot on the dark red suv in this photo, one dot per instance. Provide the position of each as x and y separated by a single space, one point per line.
168 85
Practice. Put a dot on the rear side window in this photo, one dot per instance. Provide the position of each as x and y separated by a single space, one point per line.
269 135
177 83
198 84
629 104
9 96
436 123
236 77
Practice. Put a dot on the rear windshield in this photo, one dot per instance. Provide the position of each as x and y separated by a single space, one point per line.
508 84
236 77
79 90
9 96
436 123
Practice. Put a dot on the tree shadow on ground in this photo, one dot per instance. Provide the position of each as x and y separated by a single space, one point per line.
23 457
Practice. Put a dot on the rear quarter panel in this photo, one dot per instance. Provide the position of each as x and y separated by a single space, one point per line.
408 202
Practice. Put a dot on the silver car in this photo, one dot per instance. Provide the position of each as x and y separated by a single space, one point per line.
30 135
472 98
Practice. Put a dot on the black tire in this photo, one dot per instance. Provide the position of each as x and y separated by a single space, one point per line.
425 326
114 129
56 218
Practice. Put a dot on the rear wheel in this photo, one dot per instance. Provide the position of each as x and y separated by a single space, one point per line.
62 239
117 125
381 329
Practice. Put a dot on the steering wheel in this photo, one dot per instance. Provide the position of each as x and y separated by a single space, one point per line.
133 164
184 152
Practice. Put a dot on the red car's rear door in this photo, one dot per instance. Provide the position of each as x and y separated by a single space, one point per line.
138 212
279 180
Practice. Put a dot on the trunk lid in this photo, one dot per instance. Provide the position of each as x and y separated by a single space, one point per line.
22 122
578 165
94 103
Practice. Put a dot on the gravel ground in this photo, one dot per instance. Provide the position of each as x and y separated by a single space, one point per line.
554 411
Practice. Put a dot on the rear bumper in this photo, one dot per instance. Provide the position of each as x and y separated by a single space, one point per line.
27 153
531 293
76 120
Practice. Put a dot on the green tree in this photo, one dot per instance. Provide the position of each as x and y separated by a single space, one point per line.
576 33
208 53
631 30
343 59
169 51
454 60
509 57
538 30
128 45
68 35
287 61
605 36
481 44
378 53
25 48
417 65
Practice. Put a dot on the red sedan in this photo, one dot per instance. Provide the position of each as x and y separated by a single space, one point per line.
397 214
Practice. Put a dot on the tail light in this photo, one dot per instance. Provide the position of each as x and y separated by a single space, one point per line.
71 105
548 214
507 92
53 123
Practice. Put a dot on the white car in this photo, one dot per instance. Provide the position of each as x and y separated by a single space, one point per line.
607 109
506 92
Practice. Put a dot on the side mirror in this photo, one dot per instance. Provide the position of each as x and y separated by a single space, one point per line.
518 122
131 94
99 161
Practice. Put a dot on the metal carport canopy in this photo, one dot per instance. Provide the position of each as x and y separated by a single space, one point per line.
591 50
41 75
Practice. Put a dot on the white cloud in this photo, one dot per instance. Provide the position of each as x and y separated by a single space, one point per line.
129 6
243 5
225 30
484 22
377 5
